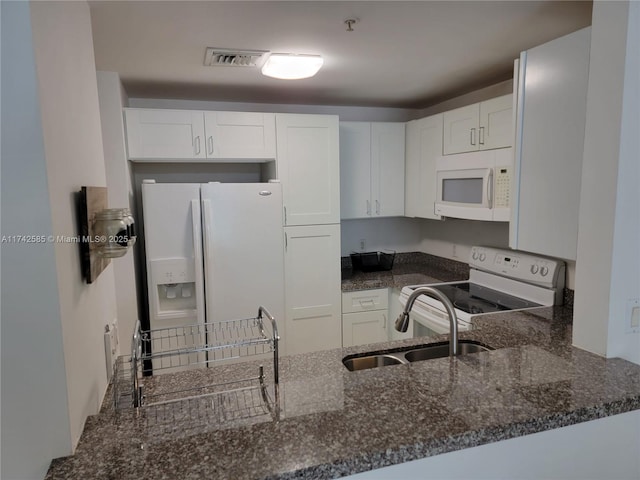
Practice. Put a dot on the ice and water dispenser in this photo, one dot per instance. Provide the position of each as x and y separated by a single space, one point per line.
174 288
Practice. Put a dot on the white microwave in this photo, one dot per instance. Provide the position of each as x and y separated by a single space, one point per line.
475 185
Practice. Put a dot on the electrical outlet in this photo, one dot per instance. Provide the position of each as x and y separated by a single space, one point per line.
111 346
115 339
363 244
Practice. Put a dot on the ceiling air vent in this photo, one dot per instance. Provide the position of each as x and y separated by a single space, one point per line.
223 57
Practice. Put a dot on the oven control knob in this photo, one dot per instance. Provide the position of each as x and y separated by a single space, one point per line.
534 269
482 257
474 255
544 271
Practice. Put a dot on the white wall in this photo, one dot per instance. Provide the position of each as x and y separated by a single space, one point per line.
608 222
67 89
439 236
35 418
119 178
480 95
353 114
394 233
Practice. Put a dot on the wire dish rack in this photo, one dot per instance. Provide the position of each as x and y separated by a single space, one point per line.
187 394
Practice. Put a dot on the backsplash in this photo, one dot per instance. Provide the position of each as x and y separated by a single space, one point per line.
458 268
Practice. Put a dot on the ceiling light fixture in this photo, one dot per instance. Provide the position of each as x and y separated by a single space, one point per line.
291 66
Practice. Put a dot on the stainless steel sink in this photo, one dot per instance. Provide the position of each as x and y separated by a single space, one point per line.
406 355
439 351
371 361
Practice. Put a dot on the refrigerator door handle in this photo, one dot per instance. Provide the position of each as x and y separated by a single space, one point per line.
198 259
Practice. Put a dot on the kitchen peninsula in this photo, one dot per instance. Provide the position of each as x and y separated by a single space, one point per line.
332 422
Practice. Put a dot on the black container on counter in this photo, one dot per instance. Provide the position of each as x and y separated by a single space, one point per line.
373 261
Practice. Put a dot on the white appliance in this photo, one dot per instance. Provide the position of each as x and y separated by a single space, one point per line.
214 252
499 280
474 185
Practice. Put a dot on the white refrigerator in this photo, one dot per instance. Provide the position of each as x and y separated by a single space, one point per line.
214 251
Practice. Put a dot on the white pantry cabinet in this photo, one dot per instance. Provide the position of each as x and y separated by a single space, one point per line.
550 120
312 288
371 169
308 166
364 317
169 135
423 147
480 126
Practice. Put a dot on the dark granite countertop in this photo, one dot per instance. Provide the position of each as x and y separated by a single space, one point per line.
333 422
413 268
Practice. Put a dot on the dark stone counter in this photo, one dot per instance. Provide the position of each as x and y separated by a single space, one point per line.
408 269
332 422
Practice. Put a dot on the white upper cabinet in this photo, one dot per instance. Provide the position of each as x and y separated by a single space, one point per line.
164 134
423 147
308 168
480 126
372 169
387 169
496 123
355 169
237 135
168 135
551 115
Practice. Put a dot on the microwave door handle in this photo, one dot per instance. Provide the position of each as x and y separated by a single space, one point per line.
490 188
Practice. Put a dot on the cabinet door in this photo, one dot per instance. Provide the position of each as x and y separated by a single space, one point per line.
312 288
155 134
364 327
461 129
387 169
549 146
308 164
424 146
355 170
496 123
240 135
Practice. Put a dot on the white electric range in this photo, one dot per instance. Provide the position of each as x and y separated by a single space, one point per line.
499 280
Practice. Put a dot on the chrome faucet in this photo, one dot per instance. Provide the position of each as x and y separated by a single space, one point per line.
402 322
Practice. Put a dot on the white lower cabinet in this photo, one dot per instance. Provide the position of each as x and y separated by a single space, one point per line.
365 317
312 289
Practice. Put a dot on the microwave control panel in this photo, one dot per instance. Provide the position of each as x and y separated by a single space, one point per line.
502 187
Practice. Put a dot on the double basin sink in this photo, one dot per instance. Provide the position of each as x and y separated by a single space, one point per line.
363 361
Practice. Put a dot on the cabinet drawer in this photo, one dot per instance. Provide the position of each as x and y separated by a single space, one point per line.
365 300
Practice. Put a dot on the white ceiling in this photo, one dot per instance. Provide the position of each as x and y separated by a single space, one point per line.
400 54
